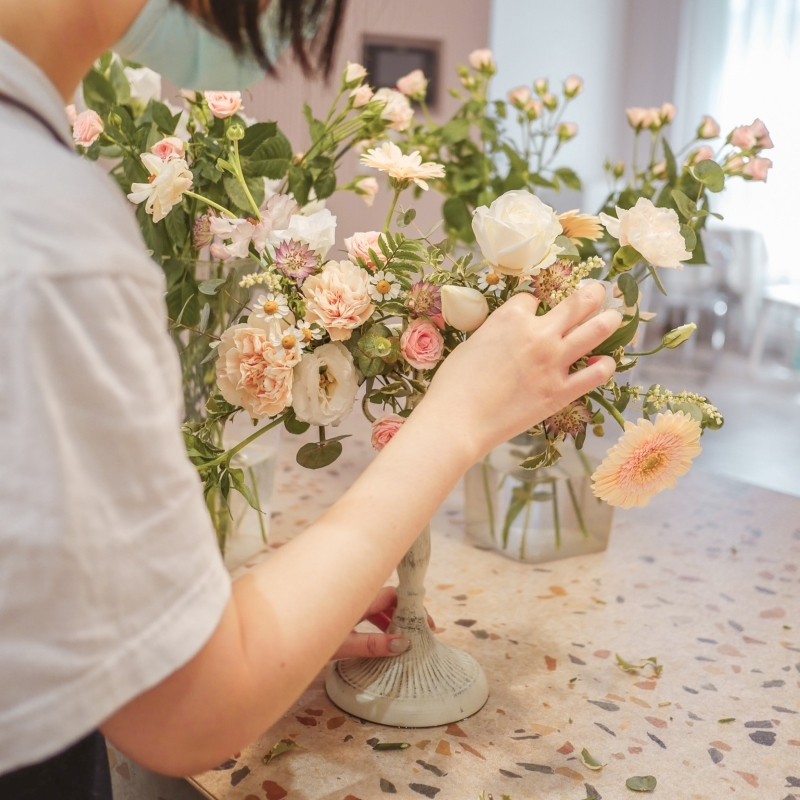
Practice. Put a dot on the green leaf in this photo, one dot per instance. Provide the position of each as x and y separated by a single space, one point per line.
641 783
97 91
406 218
686 206
710 173
569 178
626 258
689 236
520 497
690 409
629 288
300 182
204 315
455 131
256 135
325 184
549 456
211 287
568 249
177 227
456 214
589 761
271 159
163 118
669 157
317 455
283 746
237 194
295 426
620 337
119 82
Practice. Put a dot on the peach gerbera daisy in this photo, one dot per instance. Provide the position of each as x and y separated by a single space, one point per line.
647 459
577 226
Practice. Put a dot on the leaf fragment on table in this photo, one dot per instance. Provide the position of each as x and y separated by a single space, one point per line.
589 761
391 746
652 663
727 719
283 746
641 783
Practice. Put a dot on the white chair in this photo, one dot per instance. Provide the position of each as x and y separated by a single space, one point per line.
784 296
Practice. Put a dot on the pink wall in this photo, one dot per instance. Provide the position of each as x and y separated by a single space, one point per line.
458 28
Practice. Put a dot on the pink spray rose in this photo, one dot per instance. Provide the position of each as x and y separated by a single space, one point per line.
703 153
757 168
359 244
761 133
171 147
223 104
384 428
743 137
87 128
709 128
421 344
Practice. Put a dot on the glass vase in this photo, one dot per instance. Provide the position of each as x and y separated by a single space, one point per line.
535 515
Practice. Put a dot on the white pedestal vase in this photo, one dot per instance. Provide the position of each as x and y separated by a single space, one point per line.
430 684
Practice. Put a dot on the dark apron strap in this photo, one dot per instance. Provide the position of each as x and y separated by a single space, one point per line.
26 109
79 773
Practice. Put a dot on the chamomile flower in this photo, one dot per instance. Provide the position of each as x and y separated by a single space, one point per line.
491 282
271 306
291 340
309 331
383 286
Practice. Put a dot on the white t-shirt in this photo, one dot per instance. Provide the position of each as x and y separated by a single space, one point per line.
110 577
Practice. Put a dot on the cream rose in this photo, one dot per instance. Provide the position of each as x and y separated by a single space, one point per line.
223 104
520 96
414 85
517 233
464 308
255 373
653 232
384 429
354 72
397 109
359 244
573 86
421 344
87 128
325 385
338 298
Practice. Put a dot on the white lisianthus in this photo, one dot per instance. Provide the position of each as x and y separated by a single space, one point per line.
145 84
653 232
354 72
397 109
464 308
325 385
169 180
517 233
389 158
317 230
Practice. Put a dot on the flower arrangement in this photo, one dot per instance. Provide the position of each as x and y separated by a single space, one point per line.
280 331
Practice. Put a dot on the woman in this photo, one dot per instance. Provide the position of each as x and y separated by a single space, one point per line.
115 609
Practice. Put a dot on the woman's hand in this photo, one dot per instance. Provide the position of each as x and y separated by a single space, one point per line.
370 645
513 372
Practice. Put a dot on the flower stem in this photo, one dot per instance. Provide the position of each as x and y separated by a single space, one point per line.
600 400
388 223
237 164
229 454
211 203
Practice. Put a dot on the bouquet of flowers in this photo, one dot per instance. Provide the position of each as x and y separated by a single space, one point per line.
284 333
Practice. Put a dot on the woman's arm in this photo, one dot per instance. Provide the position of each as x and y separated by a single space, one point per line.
289 615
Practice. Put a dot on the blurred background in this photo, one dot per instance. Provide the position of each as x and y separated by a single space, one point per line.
733 59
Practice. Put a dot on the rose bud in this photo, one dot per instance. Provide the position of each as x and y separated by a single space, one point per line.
464 308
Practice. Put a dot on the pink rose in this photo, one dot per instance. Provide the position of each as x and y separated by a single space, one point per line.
709 128
87 128
667 112
636 116
384 428
759 130
171 147
703 153
757 168
359 244
421 344
223 104
743 137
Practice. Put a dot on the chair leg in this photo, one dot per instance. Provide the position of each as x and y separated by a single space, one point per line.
759 338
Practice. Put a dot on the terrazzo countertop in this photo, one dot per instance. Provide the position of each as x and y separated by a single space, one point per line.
706 579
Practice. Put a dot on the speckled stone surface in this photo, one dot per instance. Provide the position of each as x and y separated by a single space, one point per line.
707 579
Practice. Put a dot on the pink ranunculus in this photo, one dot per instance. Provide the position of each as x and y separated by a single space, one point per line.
87 128
223 104
72 113
384 428
761 133
757 168
171 147
359 244
421 344
743 137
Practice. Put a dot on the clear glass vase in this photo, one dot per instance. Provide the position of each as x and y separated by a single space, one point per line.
535 516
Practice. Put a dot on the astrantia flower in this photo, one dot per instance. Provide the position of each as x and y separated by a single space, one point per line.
425 300
168 181
491 282
647 459
580 226
271 306
553 282
383 286
201 232
570 421
402 168
295 260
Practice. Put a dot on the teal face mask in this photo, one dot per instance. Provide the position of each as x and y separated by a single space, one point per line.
175 43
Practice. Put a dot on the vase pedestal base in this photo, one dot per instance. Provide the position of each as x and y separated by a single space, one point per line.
430 684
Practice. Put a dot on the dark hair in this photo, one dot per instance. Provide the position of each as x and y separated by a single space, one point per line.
237 21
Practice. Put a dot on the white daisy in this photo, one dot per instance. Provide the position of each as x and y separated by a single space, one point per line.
491 282
271 306
292 339
309 331
384 286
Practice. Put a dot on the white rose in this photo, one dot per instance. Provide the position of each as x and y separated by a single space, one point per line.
317 230
479 59
415 84
145 84
397 110
517 233
325 385
338 298
354 72
653 232
464 308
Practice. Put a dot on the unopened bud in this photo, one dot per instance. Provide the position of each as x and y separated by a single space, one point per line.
236 132
619 169
598 430
114 120
677 337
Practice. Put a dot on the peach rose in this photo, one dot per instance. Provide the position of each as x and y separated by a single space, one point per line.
255 373
171 147
703 153
338 298
421 344
223 104
359 244
384 428
481 59
87 128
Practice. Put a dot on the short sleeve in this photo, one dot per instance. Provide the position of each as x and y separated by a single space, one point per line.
110 576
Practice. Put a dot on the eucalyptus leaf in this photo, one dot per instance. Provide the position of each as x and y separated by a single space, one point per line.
710 173
211 286
689 236
589 761
568 249
641 783
629 288
317 455
686 206
283 746
295 426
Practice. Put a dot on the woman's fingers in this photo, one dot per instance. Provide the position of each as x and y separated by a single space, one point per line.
583 339
385 599
371 645
600 369
381 620
576 308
